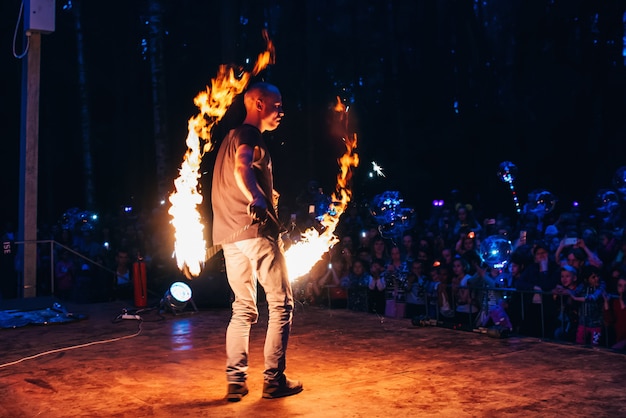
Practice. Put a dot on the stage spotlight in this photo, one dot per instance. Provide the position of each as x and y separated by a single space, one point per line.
177 298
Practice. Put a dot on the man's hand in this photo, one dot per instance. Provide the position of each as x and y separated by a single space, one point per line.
275 198
257 212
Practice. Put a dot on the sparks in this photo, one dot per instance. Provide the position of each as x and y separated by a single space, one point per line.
377 169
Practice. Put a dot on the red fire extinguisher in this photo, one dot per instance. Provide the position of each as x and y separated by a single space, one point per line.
140 283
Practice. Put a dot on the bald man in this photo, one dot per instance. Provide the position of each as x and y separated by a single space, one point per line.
246 223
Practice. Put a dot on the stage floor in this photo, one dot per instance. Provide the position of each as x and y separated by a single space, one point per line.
352 365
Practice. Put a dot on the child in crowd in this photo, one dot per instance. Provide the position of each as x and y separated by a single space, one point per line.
568 313
357 283
416 286
591 315
377 287
494 305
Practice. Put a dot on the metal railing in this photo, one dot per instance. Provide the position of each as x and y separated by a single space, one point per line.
46 253
546 319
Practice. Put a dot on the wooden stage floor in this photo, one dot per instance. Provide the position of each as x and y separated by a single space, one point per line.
352 365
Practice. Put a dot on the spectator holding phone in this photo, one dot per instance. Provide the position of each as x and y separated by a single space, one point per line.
564 248
574 251
592 256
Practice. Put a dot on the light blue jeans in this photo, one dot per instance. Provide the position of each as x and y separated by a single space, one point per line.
247 261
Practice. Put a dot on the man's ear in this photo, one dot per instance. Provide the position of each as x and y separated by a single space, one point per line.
259 104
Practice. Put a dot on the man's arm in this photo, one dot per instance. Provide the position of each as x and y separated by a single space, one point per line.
246 180
592 257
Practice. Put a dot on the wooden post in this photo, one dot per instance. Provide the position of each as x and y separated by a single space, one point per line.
29 144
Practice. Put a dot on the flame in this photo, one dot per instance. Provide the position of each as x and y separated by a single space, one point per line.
190 245
304 254
266 57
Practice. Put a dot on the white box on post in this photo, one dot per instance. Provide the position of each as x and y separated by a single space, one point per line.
39 16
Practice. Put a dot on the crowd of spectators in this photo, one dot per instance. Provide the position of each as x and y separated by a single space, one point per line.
564 279
87 260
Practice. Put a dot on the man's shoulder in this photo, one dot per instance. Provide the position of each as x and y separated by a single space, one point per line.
240 135
245 134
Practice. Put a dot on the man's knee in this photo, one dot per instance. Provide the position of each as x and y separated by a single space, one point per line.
247 313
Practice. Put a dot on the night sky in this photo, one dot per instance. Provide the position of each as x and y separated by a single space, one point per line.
440 93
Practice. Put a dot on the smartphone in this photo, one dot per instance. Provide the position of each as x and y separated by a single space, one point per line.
570 241
522 237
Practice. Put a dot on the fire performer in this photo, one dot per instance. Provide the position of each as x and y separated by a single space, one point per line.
246 222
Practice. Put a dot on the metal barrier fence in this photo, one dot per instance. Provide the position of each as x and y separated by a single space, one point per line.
11 271
533 313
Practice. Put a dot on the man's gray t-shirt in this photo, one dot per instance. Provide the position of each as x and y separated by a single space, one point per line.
230 206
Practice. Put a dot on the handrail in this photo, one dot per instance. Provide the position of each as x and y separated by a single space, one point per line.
54 243
543 321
